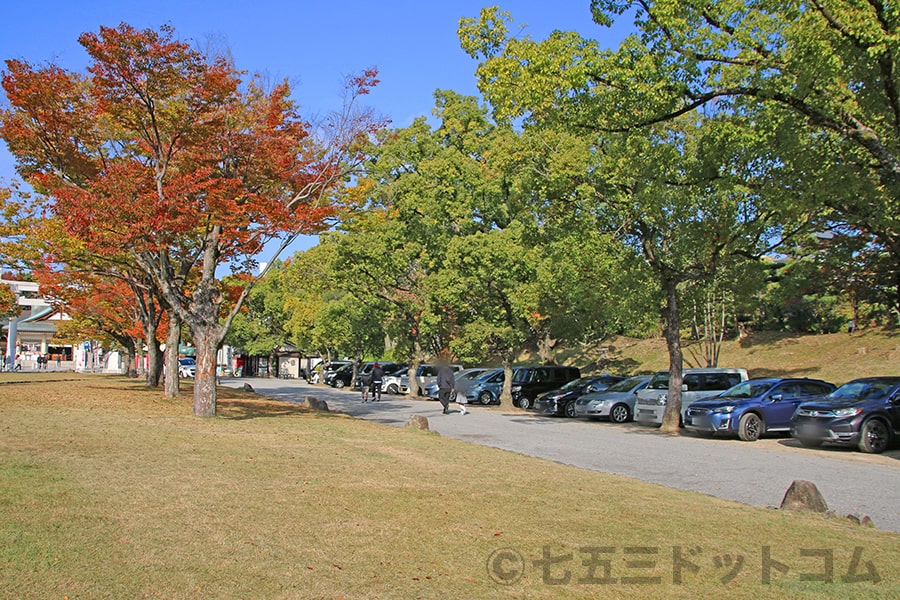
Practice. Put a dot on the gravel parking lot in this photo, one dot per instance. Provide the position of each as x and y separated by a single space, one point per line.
753 473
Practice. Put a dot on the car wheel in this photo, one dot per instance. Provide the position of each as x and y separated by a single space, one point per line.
339 383
569 410
750 427
392 389
524 402
619 413
874 437
485 398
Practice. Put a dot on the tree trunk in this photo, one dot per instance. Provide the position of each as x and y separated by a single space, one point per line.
206 343
173 341
506 399
130 347
154 355
546 345
354 373
414 368
672 332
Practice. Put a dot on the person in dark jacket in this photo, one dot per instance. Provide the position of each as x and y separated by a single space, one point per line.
446 384
375 379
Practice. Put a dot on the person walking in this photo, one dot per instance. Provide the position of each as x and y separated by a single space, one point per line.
461 400
446 384
364 386
377 376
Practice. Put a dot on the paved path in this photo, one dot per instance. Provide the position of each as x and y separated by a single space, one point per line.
754 473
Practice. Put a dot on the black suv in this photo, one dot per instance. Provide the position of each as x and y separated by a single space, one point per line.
864 412
340 377
529 382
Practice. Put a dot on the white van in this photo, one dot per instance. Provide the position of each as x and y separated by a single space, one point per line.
428 372
696 384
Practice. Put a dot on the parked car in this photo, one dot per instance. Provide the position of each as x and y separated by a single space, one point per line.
396 380
864 412
187 367
326 372
615 402
753 408
463 379
341 377
530 382
696 385
486 388
427 372
561 401
364 374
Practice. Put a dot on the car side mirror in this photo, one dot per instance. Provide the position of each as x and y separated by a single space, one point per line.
776 397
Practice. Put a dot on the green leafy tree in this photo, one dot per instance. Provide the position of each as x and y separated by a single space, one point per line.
260 327
490 284
678 191
322 315
817 80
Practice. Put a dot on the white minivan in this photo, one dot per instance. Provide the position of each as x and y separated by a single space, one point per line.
696 384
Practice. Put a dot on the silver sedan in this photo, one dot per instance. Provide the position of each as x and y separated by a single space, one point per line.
615 402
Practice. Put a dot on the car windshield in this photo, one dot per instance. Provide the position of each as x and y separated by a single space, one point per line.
861 390
660 381
625 385
578 383
748 389
492 376
187 361
471 374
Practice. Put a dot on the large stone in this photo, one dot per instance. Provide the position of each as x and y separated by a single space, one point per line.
418 422
313 403
804 496
247 387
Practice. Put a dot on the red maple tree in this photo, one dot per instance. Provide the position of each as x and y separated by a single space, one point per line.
176 159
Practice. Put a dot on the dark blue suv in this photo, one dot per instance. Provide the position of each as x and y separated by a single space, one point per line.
754 407
863 412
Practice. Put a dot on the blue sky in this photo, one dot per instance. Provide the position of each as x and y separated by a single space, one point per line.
312 43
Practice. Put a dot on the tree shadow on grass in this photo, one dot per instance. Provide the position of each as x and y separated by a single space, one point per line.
804 372
238 405
769 338
241 409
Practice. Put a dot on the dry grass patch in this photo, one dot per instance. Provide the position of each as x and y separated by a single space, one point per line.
835 357
109 491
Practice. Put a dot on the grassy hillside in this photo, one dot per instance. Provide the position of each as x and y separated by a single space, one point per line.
836 357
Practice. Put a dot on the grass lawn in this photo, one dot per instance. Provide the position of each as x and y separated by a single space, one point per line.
109 491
